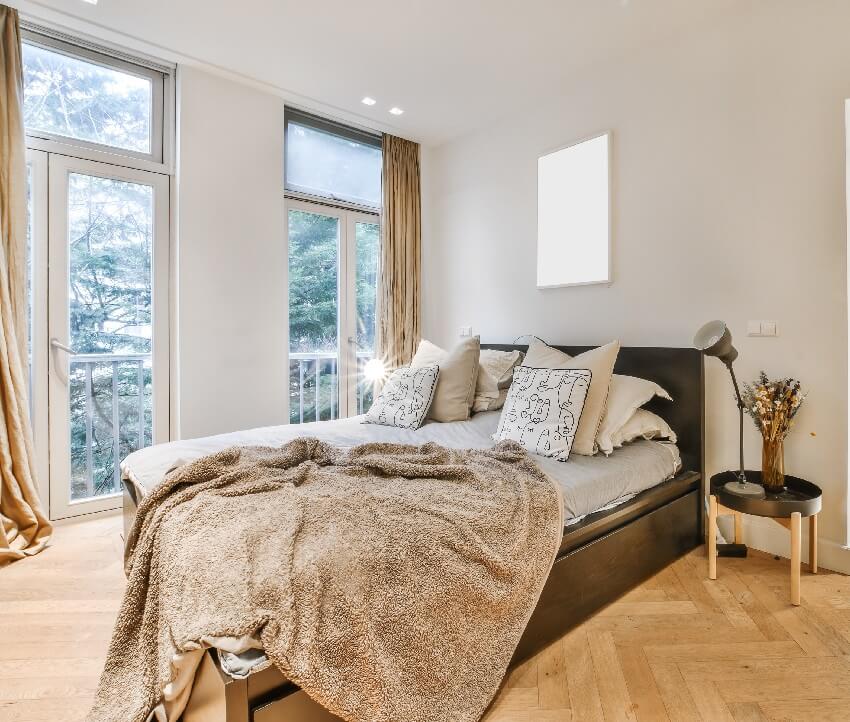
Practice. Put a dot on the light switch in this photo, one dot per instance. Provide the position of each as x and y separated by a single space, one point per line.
762 328
768 328
466 330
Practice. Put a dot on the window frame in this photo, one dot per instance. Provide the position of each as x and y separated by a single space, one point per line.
329 127
159 159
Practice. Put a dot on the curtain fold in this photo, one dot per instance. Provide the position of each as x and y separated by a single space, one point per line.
24 528
401 231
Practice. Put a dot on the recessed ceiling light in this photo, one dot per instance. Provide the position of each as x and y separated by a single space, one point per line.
368 101
90 2
396 111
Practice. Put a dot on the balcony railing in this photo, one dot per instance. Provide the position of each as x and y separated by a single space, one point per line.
314 388
110 418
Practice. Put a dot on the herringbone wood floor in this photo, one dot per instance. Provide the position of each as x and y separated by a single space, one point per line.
679 647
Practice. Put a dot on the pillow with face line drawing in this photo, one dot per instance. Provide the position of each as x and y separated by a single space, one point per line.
543 409
405 398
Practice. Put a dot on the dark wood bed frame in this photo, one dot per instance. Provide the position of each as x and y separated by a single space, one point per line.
600 558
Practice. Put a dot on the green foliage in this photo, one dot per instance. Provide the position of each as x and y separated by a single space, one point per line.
313 280
368 239
111 239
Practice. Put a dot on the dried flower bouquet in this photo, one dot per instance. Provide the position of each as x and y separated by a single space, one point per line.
773 406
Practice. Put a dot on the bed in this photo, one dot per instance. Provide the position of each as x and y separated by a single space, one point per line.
626 517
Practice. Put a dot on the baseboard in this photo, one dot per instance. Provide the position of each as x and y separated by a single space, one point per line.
767 536
85 517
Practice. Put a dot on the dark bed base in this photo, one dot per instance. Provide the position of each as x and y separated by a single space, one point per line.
600 558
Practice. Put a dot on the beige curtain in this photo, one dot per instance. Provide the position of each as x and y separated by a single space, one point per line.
401 230
24 529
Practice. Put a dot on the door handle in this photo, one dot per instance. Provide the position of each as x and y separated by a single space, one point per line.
55 343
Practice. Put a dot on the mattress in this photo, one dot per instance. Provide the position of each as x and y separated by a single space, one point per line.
589 483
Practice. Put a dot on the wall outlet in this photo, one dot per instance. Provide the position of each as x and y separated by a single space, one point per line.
762 328
466 330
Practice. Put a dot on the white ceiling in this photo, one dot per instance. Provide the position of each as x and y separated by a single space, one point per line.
452 65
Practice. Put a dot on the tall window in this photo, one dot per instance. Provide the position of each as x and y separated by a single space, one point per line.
98 205
333 188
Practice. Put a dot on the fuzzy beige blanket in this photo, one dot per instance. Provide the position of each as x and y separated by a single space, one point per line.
390 582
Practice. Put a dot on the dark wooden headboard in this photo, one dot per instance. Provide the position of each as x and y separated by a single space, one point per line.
680 371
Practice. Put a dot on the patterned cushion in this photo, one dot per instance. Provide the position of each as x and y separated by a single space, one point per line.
543 409
406 397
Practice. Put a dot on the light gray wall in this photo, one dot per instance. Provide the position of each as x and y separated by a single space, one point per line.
729 202
231 274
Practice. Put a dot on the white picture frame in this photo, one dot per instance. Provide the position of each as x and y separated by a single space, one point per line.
574 214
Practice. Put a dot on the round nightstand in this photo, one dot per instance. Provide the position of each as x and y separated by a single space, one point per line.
799 498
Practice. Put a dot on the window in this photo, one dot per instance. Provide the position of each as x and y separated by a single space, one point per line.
98 201
333 188
332 161
77 95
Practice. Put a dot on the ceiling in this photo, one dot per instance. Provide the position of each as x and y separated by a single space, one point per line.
452 65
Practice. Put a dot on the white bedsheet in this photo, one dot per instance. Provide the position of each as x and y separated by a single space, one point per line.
589 483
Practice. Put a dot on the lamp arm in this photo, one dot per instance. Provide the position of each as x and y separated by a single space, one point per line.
742 477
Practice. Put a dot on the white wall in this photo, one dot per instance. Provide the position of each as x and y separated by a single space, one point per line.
728 193
231 274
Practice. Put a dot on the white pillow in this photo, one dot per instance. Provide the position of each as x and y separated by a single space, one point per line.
495 373
601 362
405 398
455 392
543 409
625 396
643 425
496 369
491 401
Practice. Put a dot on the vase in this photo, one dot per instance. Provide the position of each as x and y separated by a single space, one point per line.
772 465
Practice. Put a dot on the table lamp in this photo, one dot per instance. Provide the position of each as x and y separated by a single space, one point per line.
714 339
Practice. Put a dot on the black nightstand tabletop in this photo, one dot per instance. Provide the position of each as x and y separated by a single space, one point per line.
799 495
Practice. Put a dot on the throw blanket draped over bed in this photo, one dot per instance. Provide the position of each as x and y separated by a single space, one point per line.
390 582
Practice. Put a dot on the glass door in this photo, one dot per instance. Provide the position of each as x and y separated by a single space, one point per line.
315 259
364 233
107 327
333 271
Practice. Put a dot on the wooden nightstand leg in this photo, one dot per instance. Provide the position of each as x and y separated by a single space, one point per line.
796 529
739 527
711 542
813 543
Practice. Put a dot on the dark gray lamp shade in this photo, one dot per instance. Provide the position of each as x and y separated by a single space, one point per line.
714 339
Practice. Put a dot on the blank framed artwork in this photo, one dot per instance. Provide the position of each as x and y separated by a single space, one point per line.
574 214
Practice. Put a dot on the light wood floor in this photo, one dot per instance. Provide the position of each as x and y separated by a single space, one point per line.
680 647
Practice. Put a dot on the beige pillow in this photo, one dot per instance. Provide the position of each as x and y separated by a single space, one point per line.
455 391
600 361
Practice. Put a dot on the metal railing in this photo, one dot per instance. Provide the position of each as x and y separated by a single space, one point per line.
92 366
314 386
